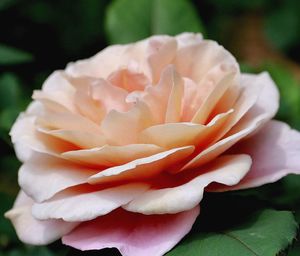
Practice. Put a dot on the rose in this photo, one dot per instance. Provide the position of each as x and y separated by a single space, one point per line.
118 149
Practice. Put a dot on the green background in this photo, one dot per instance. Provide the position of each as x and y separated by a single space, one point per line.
37 37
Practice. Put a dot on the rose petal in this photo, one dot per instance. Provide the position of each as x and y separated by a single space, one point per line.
111 97
258 114
209 103
129 80
67 121
32 141
73 207
58 89
194 60
161 51
187 38
112 155
173 113
133 234
275 151
172 135
143 167
227 170
162 97
32 231
50 175
183 134
116 124
81 139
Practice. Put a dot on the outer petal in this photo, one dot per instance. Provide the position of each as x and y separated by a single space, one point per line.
82 206
227 170
42 176
275 151
144 167
133 234
32 231
112 155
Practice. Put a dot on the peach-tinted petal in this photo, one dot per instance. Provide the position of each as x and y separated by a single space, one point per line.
58 89
81 139
200 99
275 151
258 114
31 140
112 155
143 167
122 128
43 176
187 38
67 121
212 99
161 51
162 97
172 135
174 106
194 60
259 96
32 231
111 97
100 65
129 80
133 234
227 170
71 206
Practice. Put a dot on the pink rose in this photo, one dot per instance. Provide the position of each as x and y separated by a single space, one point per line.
118 149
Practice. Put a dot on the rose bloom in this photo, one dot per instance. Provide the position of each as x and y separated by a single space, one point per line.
118 149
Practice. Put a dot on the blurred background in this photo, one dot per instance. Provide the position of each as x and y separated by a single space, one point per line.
38 37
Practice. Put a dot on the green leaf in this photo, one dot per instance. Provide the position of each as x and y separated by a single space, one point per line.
266 233
10 55
4 4
132 20
10 89
281 26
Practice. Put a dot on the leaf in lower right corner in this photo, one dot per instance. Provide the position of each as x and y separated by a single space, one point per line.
266 233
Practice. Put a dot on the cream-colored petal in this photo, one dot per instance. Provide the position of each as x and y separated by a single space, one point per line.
111 97
164 96
187 38
144 167
161 51
258 114
24 136
112 155
174 107
57 88
43 176
109 60
122 128
172 135
194 60
248 127
259 95
212 99
33 231
86 206
227 170
67 121
182 134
